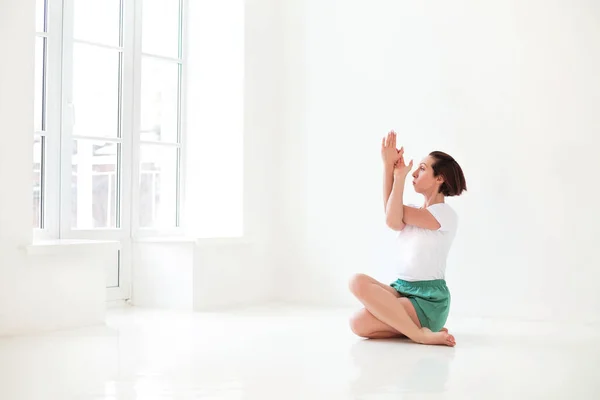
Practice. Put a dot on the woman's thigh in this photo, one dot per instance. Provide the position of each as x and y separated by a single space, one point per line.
359 280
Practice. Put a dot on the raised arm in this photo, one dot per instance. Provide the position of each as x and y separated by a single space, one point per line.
390 155
420 217
394 215
388 182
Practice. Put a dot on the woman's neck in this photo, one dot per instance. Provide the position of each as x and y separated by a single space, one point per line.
433 198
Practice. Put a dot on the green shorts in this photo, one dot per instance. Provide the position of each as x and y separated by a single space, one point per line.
431 300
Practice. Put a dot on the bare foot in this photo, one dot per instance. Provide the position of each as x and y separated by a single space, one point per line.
439 338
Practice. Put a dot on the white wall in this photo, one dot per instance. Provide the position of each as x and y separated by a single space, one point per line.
290 269
240 271
16 106
42 291
163 274
508 88
57 290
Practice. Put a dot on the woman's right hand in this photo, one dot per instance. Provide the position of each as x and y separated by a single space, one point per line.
389 154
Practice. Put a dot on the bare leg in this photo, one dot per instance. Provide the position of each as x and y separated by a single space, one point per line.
384 306
361 278
364 324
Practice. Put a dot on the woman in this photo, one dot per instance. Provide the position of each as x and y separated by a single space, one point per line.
416 305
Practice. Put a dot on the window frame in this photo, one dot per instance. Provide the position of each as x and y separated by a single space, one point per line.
69 113
59 138
50 190
138 232
59 127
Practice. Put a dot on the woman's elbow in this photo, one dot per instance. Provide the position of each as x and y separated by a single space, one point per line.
394 224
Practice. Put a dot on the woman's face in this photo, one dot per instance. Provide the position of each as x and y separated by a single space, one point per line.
423 179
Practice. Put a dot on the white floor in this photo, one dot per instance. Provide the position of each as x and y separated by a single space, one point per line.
293 353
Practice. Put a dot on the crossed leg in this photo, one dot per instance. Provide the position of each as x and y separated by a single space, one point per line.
386 314
364 324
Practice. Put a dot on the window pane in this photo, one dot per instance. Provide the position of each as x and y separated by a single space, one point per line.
97 21
160 27
40 15
38 181
158 186
94 184
159 98
40 75
96 90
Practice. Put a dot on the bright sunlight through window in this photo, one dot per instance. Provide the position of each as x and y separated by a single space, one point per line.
138 118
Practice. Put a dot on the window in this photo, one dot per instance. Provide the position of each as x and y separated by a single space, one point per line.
93 118
110 123
160 155
108 153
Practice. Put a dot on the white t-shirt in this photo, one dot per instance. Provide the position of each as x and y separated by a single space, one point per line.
422 253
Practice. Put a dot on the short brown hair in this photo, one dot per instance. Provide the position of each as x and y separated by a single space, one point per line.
454 179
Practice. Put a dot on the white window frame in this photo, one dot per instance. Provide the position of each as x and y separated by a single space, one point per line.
59 135
51 152
138 232
69 113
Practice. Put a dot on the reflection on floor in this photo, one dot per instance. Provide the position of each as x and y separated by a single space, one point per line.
295 353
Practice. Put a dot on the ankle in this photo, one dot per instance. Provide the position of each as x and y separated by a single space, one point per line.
421 336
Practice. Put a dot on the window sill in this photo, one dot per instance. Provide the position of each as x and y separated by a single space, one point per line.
164 239
192 240
51 247
224 241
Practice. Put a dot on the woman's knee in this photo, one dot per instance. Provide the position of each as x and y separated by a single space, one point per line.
358 326
358 282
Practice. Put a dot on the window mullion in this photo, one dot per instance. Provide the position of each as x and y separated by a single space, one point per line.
54 122
128 115
135 46
67 114
107 139
100 45
182 154
53 118
162 58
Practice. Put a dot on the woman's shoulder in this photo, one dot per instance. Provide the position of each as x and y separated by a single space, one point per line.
443 205
445 214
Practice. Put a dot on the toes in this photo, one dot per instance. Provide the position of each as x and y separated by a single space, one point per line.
444 330
451 341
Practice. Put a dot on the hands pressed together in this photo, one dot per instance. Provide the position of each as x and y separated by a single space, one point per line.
393 157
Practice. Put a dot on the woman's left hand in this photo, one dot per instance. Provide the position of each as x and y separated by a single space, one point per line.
389 153
401 169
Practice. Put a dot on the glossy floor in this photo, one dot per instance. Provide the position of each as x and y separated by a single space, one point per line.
294 353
